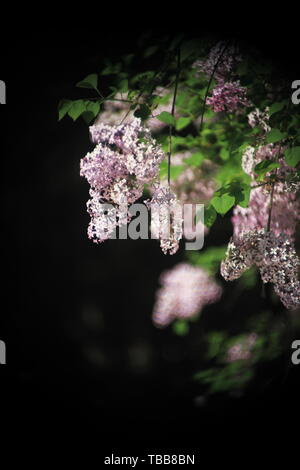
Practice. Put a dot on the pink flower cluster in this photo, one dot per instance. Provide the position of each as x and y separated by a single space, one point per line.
285 212
285 204
228 96
125 157
274 255
185 291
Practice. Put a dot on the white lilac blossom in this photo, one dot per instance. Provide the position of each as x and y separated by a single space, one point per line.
274 255
252 156
260 119
184 292
104 218
229 97
125 157
130 147
242 350
166 219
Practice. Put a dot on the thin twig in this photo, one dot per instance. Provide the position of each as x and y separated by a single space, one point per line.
209 83
271 206
271 196
173 113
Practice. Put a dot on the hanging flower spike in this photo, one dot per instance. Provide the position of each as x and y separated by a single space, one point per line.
276 258
166 219
124 159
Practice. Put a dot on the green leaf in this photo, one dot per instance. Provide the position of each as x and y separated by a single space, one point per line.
236 192
223 202
91 112
240 191
210 216
276 107
208 259
78 107
275 135
87 116
292 156
182 122
63 108
181 327
265 167
166 117
91 81
93 107
195 160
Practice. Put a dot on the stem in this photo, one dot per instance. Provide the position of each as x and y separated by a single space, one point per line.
209 83
173 113
271 206
258 185
271 196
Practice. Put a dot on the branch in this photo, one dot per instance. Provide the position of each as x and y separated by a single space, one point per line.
209 83
173 113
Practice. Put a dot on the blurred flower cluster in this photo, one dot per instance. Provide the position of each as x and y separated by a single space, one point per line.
184 292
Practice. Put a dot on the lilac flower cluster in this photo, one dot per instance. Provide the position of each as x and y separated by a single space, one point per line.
274 255
285 204
166 219
252 156
125 157
185 291
285 212
221 60
260 119
228 96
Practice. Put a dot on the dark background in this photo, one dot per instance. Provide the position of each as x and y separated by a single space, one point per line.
75 316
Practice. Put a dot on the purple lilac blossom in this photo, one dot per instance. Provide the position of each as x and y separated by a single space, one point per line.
274 255
124 159
184 292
